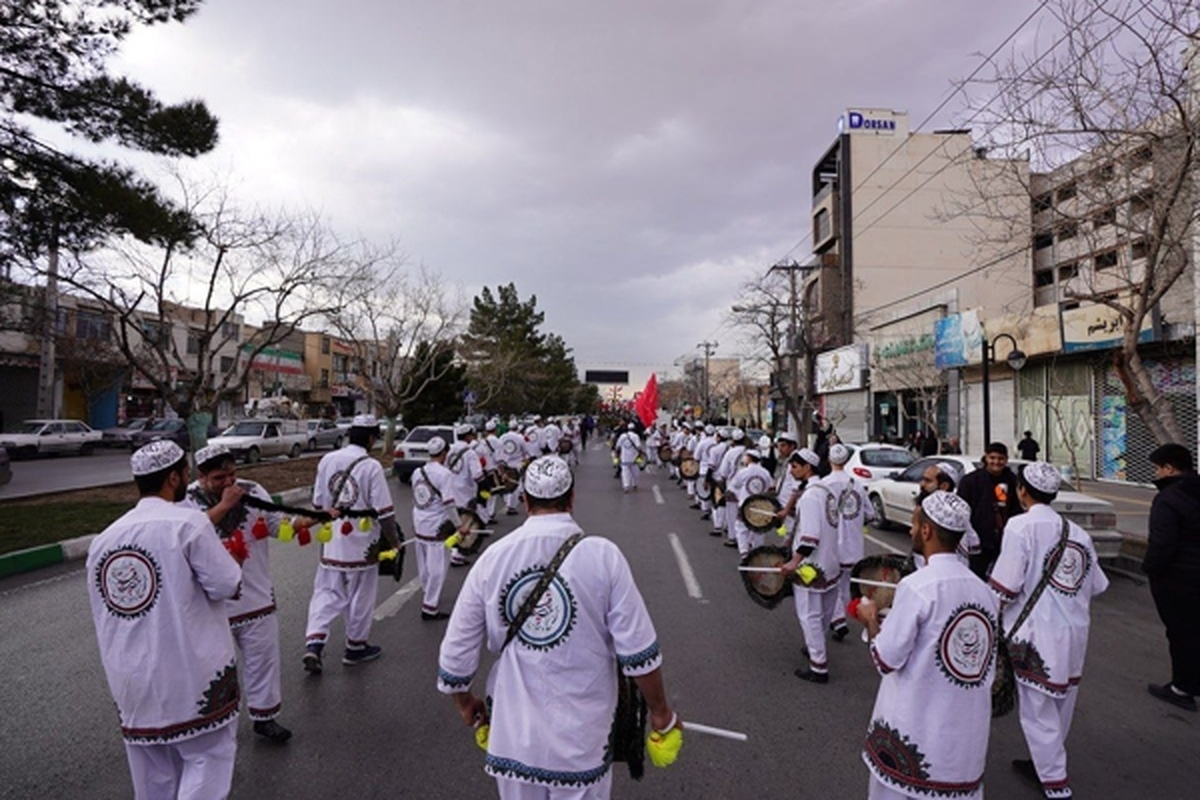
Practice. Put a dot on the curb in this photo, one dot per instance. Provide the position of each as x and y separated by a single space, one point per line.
48 555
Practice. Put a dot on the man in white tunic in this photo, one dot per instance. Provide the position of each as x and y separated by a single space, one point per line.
929 730
703 443
463 462
750 480
487 447
348 573
815 556
512 456
1048 650
708 469
854 512
628 446
252 619
731 460
435 518
553 688
158 580
787 488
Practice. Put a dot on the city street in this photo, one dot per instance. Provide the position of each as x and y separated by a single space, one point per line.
382 729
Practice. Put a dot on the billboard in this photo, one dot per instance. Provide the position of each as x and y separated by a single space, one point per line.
1098 327
841 370
958 340
606 376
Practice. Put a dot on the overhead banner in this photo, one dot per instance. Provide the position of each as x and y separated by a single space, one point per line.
841 370
958 340
1098 327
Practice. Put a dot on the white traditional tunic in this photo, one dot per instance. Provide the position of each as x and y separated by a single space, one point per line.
929 730
433 500
554 688
512 449
854 511
816 603
158 580
463 463
628 447
750 480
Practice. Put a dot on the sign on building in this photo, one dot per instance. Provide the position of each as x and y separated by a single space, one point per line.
1098 327
841 370
877 121
958 340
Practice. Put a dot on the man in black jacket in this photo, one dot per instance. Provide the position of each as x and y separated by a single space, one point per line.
1173 565
992 494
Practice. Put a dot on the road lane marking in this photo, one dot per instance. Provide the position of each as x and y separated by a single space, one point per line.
885 545
685 568
392 605
658 498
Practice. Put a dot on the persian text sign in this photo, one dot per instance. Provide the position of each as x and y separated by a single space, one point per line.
840 370
1098 327
958 340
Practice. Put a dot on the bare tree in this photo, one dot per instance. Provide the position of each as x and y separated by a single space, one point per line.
1108 117
764 311
405 325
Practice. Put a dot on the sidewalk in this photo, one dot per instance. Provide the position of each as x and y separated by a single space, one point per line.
47 555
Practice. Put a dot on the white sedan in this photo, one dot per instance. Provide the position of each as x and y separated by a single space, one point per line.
49 436
870 462
893 498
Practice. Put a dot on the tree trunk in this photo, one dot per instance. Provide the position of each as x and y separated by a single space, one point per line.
1143 397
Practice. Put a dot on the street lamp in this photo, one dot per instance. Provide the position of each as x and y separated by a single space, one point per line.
1016 359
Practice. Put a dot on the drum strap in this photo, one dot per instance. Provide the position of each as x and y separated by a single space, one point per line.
531 599
1036 594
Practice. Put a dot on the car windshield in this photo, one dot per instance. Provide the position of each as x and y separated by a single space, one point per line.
420 435
246 429
886 457
30 427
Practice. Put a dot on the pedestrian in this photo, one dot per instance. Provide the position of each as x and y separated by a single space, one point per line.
435 519
935 653
252 619
929 443
992 494
1047 651
348 574
462 459
628 447
952 447
1172 564
554 684
158 583
943 476
1028 447
822 442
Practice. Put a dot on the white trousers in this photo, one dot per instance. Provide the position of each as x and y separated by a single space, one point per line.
510 500
843 596
814 610
691 487
200 768
347 593
878 790
1046 720
258 640
747 539
432 561
519 790
718 518
629 476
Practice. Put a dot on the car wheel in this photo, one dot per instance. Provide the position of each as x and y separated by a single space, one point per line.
404 476
252 455
24 453
86 450
881 520
312 444
295 451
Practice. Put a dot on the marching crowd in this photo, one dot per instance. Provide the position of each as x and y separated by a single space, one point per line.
998 587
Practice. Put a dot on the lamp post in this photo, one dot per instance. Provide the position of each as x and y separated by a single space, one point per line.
1016 359
709 348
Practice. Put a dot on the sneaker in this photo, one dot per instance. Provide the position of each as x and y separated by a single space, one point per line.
434 617
361 655
730 543
840 632
272 731
463 563
706 515
1166 692
810 676
512 512
312 660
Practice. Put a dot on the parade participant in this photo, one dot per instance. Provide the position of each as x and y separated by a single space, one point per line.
487 447
854 511
252 619
815 556
929 729
992 494
591 624
700 453
628 446
750 480
464 464
769 460
787 488
533 442
944 476
348 574
1048 650
731 460
551 435
675 441
433 507
158 583
708 468
1172 564
512 455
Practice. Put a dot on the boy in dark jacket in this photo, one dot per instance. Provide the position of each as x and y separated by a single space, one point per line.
991 493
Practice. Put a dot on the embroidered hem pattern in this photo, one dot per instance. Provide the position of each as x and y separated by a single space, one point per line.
899 763
650 657
511 768
218 706
454 682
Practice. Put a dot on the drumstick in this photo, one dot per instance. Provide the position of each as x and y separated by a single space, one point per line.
880 584
776 570
720 733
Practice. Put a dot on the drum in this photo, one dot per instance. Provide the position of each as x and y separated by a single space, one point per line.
565 446
510 479
886 568
492 482
718 493
767 589
758 512
689 468
665 454
703 490
469 542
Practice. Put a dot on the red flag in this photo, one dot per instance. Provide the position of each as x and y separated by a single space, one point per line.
647 402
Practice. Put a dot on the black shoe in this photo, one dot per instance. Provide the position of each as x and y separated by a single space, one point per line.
1027 772
434 617
512 512
730 543
312 660
706 515
463 563
694 505
840 632
361 655
272 731
715 532
810 676
1167 694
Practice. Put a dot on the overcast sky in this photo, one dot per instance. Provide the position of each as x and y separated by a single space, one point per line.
630 163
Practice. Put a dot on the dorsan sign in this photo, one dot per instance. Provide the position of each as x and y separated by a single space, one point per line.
841 370
878 121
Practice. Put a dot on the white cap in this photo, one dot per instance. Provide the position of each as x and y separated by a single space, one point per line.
839 454
547 477
435 445
155 457
365 421
710 430
951 469
808 455
737 434
211 453
1043 476
630 426
764 442
465 430
490 425
947 510
750 451
784 436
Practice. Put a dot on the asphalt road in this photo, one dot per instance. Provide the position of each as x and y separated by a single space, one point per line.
382 729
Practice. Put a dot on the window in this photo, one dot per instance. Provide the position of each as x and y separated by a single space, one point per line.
193 343
1068 271
231 331
325 377
1106 217
1044 277
1068 230
822 225
1065 193
1141 202
1043 240
1042 202
1105 173
1106 259
1139 249
1142 156
62 321
226 364
92 326
325 345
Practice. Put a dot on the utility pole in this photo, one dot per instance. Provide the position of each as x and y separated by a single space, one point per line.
47 372
709 348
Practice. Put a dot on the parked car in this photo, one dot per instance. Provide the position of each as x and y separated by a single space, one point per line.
414 450
5 467
869 462
252 439
174 429
39 437
122 435
893 498
324 433
345 423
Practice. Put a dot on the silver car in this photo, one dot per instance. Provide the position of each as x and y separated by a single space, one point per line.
324 433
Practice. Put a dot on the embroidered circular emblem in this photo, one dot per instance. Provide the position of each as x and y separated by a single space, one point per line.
832 515
757 484
510 447
552 618
850 504
1072 569
349 494
966 645
422 494
129 581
